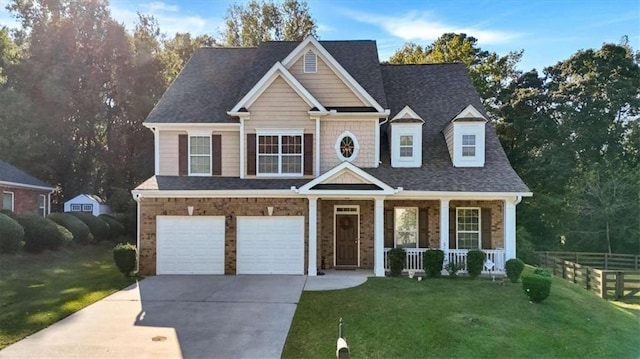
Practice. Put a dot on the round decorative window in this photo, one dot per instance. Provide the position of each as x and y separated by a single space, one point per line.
347 146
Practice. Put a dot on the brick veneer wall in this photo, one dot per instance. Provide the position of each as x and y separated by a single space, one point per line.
228 207
326 230
497 235
24 200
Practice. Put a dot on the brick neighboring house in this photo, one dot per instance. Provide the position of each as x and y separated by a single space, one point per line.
23 193
292 157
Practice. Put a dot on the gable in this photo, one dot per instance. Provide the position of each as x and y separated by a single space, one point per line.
324 84
273 98
346 177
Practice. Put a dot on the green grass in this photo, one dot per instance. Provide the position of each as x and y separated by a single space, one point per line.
37 290
462 318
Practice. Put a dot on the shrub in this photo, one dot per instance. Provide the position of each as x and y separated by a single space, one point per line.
536 287
67 237
8 212
475 262
116 229
11 234
453 268
99 228
545 272
125 257
433 260
396 261
39 233
514 268
80 231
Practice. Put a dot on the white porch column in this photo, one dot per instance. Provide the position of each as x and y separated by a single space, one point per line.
510 229
378 241
313 237
444 228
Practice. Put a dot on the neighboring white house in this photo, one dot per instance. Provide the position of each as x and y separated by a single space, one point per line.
87 203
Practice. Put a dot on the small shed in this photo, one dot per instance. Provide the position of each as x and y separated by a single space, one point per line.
87 203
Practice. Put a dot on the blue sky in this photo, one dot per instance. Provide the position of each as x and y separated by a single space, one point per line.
547 31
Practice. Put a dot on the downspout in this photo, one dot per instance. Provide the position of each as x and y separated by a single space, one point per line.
137 198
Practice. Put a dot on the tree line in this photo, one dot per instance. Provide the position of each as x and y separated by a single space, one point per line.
76 85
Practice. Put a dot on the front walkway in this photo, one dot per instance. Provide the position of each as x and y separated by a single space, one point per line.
337 279
176 317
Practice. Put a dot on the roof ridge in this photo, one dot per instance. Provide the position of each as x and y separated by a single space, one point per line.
427 64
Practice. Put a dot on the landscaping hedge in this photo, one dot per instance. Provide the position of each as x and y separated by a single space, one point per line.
475 262
432 261
81 232
116 229
536 287
396 257
65 234
514 268
39 233
8 212
11 234
99 228
125 257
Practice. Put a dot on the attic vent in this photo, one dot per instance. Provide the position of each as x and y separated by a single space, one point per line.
310 63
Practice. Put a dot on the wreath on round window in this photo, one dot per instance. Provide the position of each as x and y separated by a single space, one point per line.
346 223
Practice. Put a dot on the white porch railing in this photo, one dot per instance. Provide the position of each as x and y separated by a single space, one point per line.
414 259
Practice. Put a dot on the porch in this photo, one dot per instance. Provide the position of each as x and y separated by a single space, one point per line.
414 259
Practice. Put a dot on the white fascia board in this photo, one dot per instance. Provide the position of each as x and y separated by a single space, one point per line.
22 185
407 112
276 70
336 67
460 195
346 166
193 126
354 116
474 113
285 193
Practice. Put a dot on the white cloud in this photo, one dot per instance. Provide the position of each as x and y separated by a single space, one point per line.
421 26
159 6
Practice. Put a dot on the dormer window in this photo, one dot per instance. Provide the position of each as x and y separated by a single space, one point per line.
406 146
310 63
468 145
406 139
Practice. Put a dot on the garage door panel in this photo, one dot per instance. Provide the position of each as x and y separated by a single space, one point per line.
270 245
190 245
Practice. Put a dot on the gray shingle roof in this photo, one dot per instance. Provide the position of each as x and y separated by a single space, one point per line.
9 173
216 78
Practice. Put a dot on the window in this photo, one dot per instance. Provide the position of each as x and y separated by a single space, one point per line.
76 208
468 145
87 208
310 63
42 205
200 155
7 200
406 146
280 154
347 146
468 228
406 227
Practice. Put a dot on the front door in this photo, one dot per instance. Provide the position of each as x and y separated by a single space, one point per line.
346 239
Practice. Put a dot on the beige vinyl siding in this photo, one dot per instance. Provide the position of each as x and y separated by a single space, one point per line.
325 85
230 153
279 106
168 148
365 134
448 136
346 177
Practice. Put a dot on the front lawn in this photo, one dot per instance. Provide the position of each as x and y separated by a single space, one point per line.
37 290
462 318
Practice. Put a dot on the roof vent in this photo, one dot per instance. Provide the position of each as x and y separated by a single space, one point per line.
310 63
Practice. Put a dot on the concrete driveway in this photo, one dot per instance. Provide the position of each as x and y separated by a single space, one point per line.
175 317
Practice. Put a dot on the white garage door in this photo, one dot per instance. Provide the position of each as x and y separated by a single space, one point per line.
270 245
189 245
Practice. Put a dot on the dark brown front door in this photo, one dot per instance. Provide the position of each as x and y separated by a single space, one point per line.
347 239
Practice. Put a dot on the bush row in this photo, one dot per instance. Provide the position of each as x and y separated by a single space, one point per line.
35 233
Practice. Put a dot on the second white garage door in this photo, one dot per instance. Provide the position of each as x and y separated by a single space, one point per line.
189 245
270 245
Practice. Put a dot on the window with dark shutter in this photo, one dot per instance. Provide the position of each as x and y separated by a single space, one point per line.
251 154
216 149
183 155
423 228
308 154
388 228
486 228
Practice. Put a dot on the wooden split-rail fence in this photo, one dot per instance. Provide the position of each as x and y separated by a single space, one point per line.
610 276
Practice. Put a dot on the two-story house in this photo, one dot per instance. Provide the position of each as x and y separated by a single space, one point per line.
296 156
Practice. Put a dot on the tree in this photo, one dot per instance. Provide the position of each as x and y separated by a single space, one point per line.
410 53
256 22
178 50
